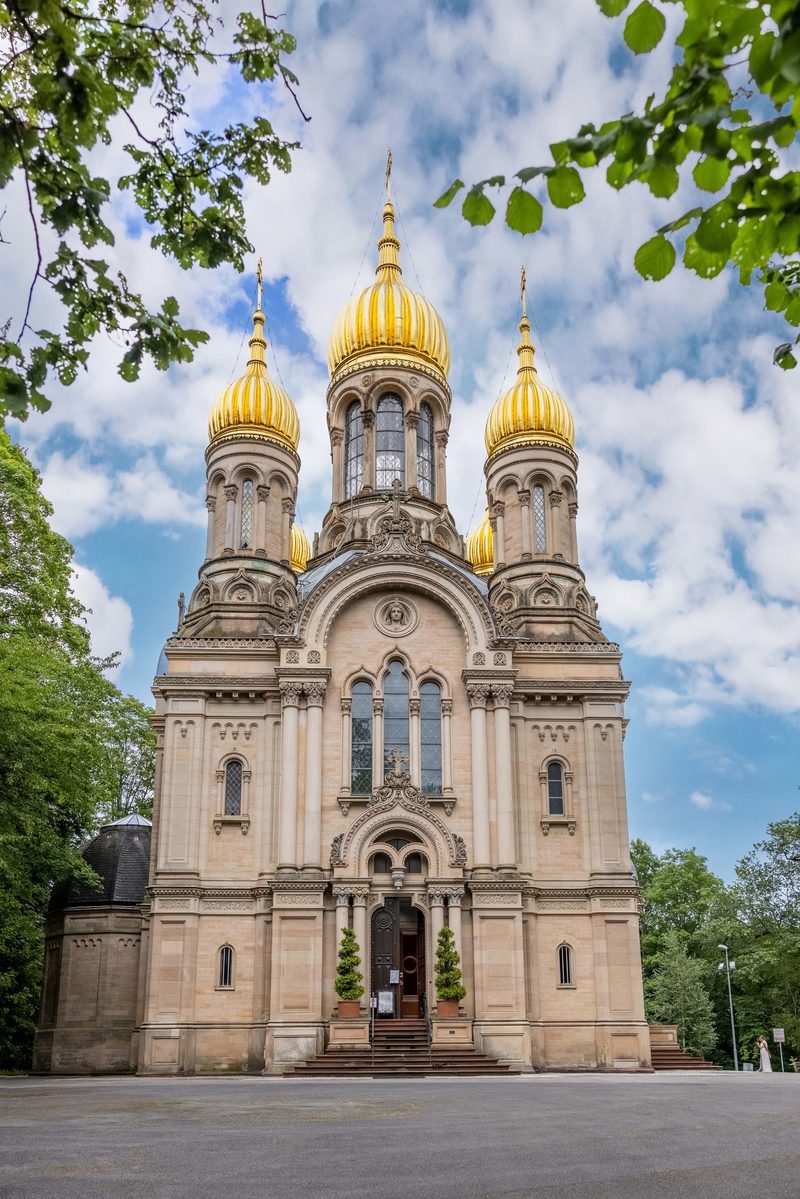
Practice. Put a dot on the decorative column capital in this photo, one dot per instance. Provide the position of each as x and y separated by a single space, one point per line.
555 498
524 497
211 503
337 436
441 437
498 508
413 707
501 693
367 418
412 419
359 896
477 694
573 509
342 896
454 896
231 491
315 693
436 896
377 706
262 493
290 694
447 707
347 705
287 505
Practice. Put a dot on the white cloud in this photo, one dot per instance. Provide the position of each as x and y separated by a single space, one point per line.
707 803
109 617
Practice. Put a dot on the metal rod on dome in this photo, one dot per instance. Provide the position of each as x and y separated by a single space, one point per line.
260 278
388 174
522 288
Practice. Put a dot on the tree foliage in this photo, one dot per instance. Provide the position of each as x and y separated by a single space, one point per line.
65 737
731 108
349 981
676 994
448 967
74 75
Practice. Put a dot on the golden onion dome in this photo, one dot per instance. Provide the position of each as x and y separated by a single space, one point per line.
388 317
529 410
300 550
480 548
254 406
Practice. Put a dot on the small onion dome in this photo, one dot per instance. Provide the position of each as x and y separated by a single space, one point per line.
480 548
389 318
300 550
529 411
120 855
254 406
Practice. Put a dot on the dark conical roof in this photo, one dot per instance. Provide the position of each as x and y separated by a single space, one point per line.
120 855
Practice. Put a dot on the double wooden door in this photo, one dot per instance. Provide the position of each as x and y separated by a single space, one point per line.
398 944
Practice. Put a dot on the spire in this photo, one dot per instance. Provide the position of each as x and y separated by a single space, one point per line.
525 349
389 260
257 342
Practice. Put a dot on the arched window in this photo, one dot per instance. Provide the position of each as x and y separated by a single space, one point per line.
390 443
395 716
430 724
361 743
225 967
555 789
564 966
414 863
425 473
246 516
233 789
353 451
381 864
539 521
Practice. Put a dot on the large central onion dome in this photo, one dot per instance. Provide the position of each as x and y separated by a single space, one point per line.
388 318
480 548
529 411
254 406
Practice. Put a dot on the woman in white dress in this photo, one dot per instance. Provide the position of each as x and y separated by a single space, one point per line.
763 1054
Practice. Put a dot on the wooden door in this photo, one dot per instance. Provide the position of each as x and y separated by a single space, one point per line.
398 943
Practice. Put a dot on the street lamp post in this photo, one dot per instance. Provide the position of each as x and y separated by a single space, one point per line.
727 966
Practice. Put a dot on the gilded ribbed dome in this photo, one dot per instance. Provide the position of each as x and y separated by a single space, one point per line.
389 318
300 550
529 410
480 548
254 406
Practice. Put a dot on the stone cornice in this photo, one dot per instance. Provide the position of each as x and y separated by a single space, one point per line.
223 644
588 687
575 648
203 683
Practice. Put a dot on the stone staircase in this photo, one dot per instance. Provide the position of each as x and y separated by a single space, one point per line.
400 1048
666 1054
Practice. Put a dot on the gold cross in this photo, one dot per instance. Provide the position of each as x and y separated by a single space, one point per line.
522 290
388 173
260 278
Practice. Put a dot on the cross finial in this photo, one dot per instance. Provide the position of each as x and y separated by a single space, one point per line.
396 488
260 278
522 288
397 758
388 174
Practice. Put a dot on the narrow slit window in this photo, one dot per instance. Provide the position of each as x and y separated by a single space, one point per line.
564 966
555 789
225 974
361 742
425 468
353 451
539 522
233 789
430 714
390 443
246 519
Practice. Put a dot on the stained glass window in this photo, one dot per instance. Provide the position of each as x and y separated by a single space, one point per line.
564 966
539 523
425 476
390 442
361 743
353 451
430 720
225 966
233 789
395 716
555 789
246 522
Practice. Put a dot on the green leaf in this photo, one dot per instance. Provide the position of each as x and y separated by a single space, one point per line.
446 197
656 258
477 208
528 173
564 187
524 212
662 179
612 8
644 28
703 262
776 296
716 231
783 356
711 174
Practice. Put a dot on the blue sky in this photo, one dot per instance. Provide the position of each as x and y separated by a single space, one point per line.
688 437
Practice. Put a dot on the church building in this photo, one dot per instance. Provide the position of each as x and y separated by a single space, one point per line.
394 730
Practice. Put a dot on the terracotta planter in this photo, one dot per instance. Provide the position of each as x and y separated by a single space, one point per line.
447 1008
349 1009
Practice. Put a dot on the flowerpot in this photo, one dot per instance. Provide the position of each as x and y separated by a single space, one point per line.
447 1008
349 1009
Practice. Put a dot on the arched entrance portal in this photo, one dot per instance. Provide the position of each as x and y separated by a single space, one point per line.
398 953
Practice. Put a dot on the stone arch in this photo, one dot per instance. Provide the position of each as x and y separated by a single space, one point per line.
241 589
400 807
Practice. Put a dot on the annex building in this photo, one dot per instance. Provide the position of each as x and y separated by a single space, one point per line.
393 729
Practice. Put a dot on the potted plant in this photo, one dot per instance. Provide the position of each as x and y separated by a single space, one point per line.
349 981
449 988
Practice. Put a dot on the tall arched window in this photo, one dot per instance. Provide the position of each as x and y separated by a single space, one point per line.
246 517
564 966
390 438
430 724
395 715
361 745
555 789
225 967
425 475
353 451
539 521
233 789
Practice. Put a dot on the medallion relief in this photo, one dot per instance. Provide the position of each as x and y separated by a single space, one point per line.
396 617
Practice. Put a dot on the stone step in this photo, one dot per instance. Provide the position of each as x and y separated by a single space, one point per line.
670 1057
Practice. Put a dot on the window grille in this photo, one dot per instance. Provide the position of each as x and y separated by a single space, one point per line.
233 789
390 443
564 966
555 789
353 451
430 713
361 740
225 967
425 467
539 522
395 715
246 521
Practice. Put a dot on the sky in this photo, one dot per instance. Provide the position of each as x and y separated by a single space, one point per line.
688 437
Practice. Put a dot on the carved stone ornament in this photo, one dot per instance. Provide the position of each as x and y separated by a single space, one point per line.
479 659
314 657
336 848
396 528
292 656
396 617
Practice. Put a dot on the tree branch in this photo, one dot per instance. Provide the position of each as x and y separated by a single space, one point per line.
24 324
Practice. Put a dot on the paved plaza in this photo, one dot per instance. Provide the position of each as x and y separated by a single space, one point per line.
575 1137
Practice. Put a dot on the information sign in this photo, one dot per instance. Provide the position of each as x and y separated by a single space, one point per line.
778 1036
394 977
385 1003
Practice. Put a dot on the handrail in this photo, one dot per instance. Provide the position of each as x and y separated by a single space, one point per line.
429 1023
373 1001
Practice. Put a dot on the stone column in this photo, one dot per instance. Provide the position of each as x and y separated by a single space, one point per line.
411 422
337 460
436 901
287 514
287 840
454 897
557 532
211 505
262 494
414 748
573 532
506 852
347 744
230 517
377 743
368 421
360 928
440 440
478 693
315 697
447 746
342 897
498 523
525 518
